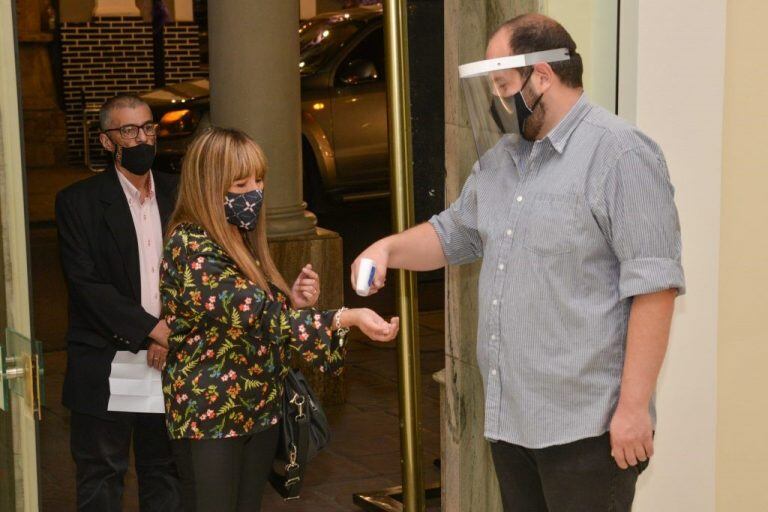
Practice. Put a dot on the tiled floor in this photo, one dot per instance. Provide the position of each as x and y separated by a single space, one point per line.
363 454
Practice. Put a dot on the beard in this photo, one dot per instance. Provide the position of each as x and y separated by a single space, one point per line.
534 123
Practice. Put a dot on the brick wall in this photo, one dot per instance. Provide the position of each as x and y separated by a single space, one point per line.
182 53
107 56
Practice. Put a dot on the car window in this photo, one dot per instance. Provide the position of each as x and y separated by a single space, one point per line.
320 40
366 62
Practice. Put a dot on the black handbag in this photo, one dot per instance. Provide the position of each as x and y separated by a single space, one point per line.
303 433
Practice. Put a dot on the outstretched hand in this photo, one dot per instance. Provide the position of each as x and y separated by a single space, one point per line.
372 325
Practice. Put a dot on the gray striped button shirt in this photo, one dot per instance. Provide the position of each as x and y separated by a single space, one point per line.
569 228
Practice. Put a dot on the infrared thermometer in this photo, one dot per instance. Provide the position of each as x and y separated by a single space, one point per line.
365 274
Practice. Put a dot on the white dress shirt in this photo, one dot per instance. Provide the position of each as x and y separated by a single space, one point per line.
149 235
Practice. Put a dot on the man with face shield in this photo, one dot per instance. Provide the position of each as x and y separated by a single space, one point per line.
571 210
500 114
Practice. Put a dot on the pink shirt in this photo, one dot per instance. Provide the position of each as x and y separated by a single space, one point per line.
149 234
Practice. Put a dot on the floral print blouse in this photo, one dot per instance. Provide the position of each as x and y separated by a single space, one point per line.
227 349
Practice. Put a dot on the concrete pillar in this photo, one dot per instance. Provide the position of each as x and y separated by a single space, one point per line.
742 407
468 479
254 73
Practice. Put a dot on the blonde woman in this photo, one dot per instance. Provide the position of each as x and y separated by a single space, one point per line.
232 322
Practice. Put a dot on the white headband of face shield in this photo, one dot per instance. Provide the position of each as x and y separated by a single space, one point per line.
483 67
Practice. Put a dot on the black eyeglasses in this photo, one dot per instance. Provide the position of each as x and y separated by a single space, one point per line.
131 131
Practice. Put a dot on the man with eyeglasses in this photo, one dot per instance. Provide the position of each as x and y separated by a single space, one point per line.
110 241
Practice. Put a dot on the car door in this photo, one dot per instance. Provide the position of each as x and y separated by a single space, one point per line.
360 113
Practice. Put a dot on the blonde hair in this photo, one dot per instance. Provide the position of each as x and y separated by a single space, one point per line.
215 159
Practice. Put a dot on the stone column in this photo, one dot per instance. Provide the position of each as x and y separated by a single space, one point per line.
254 73
468 480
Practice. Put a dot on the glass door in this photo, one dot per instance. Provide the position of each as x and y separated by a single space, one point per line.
20 358
20 405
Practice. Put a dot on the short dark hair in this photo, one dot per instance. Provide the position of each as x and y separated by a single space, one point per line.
536 33
119 101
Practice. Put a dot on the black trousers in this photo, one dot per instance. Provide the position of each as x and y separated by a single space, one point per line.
575 477
100 448
226 475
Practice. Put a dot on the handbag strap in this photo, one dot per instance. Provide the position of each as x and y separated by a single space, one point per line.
296 469
291 483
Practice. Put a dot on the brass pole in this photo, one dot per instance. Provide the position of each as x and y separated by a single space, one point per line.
401 171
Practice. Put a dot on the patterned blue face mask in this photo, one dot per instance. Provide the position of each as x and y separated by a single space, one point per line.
242 210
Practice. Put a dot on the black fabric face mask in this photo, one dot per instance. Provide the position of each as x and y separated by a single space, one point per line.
522 110
242 210
137 159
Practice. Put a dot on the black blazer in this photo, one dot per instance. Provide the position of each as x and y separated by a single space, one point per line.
100 258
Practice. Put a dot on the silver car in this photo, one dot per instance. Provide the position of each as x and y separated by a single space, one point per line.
344 109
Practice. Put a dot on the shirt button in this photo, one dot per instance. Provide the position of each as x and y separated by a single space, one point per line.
509 232
519 199
501 266
493 372
495 302
493 337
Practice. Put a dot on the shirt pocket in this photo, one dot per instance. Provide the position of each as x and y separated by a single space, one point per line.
552 224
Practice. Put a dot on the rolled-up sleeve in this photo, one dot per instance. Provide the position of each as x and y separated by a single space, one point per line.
642 223
456 227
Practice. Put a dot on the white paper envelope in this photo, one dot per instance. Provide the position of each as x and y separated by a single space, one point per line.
133 385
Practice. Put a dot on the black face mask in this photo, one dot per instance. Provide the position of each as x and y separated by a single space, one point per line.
136 159
242 210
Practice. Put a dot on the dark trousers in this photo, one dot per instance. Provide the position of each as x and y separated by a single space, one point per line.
226 475
101 447
575 477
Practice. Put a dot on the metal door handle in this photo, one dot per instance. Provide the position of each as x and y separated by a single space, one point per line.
26 367
10 370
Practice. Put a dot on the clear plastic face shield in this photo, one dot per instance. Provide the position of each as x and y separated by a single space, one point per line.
497 109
